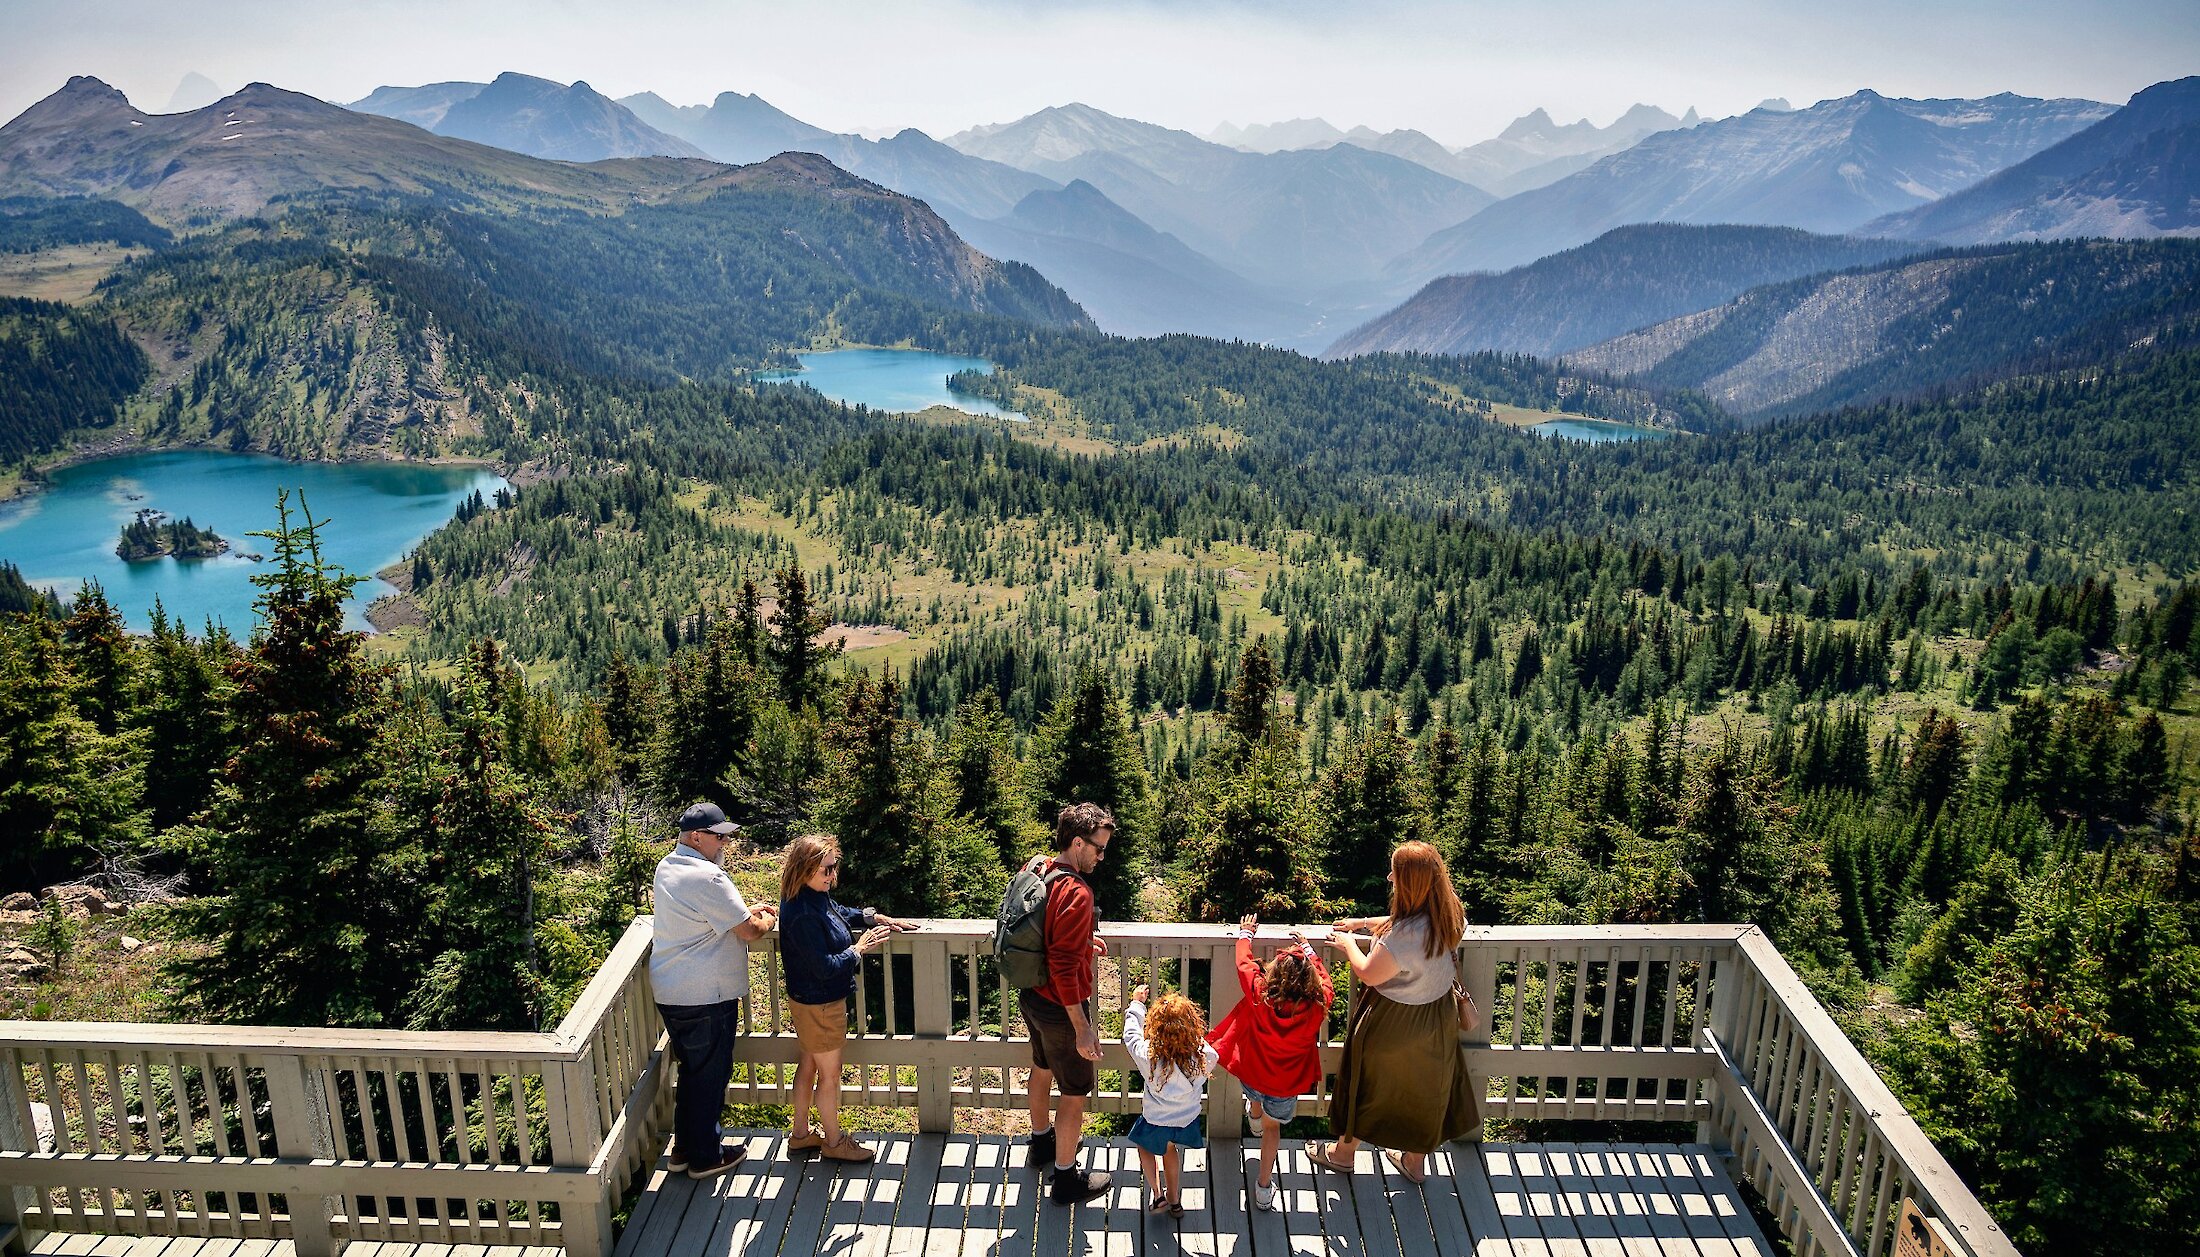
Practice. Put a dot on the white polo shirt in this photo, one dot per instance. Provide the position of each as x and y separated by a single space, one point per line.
695 958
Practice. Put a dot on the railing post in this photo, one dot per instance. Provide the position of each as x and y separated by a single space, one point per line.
1480 980
576 1136
930 991
1728 986
304 1132
15 1136
1226 1111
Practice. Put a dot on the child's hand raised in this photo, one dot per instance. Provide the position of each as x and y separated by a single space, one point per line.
1249 922
1139 993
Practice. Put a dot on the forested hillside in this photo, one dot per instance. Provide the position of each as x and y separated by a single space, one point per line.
60 368
1927 324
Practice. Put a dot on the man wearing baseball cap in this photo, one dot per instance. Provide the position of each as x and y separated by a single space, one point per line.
699 968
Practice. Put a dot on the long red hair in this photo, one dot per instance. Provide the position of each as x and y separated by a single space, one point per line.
1420 886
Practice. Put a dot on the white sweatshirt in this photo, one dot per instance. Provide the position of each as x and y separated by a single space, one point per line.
1178 1100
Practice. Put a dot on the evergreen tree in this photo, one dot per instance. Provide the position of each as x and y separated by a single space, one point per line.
982 767
97 646
1365 809
304 886
1087 751
491 839
1250 845
797 658
185 717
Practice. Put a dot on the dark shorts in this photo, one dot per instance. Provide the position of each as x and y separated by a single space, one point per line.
1054 1043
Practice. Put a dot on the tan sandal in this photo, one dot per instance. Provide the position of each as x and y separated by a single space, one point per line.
1399 1159
1322 1153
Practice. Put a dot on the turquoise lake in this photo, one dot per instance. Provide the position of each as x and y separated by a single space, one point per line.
1598 431
899 380
375 513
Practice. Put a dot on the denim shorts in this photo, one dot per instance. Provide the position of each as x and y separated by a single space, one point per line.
1156 1139
1278 1108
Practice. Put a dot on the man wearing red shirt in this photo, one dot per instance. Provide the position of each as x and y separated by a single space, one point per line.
1065 1037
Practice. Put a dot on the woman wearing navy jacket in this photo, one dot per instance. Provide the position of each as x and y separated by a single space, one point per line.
822 956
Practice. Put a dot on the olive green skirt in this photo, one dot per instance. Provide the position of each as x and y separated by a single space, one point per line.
1403 1082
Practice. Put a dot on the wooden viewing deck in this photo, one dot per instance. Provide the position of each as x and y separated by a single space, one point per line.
970 1196
227 1141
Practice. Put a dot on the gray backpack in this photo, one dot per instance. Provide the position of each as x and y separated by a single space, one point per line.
1020 935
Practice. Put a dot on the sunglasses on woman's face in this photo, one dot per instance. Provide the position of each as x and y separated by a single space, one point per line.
832 866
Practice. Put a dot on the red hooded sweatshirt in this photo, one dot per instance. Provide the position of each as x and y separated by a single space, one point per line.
1274 1054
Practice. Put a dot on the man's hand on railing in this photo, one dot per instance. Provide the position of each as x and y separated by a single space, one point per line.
1099 948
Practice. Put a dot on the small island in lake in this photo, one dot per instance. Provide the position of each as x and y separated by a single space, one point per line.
148 537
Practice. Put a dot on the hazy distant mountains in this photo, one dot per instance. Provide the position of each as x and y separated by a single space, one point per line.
1131 278
1297 221
1829 168
1531 152
529 115
1535 151
2135 173
1939 321
1625 279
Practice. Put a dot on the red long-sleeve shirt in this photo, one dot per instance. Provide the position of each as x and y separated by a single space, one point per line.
1277 1054
1071 922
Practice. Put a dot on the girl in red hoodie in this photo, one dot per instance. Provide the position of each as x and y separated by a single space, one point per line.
1272 1040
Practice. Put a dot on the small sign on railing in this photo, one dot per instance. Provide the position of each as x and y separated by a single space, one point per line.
1921 1236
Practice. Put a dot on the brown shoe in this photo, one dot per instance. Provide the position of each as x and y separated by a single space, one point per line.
848 1150
810 1141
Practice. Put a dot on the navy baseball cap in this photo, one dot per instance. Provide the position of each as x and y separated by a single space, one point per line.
707 816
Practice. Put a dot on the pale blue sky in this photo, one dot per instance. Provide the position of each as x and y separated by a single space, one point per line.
1458 70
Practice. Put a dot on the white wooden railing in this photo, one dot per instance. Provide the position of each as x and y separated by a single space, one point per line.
326 1136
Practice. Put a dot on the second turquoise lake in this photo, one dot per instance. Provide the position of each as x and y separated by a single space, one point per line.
900 380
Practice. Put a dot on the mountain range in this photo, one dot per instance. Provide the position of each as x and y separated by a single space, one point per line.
1627 278
1298 221
1529 153
530 115
2132 174
236 155
1830 168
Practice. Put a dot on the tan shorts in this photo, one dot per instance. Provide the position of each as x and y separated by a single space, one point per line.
820 1027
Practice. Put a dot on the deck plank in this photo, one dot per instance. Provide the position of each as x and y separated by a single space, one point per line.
1718 1186
951 1197
1516 1215
1022 1193
1589 1208
1560 1232
657 1218
1623 1205
1337 1213
1372 1206
1661 1214
1442 1199
714 1221
988 1182
1226 1200
914 1216
1301 1198
849 1192
1056 1226
1408 1203
1689 1199
875 1222
760 1218
1125 1206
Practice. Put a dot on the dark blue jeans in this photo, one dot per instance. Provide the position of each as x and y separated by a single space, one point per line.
702 1041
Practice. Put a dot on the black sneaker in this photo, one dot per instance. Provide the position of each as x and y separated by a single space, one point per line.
729 1156
1039 1150
1074 1186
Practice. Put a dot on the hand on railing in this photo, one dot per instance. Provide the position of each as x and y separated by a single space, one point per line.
873 938
896 924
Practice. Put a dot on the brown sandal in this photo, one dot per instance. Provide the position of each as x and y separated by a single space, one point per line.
1321 1151
848 1150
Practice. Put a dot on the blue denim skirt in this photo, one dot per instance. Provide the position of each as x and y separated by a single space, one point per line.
1156 1139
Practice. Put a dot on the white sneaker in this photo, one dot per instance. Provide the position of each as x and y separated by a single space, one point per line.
1264 1197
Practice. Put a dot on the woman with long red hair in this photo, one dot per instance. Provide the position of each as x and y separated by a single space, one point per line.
1403 1083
